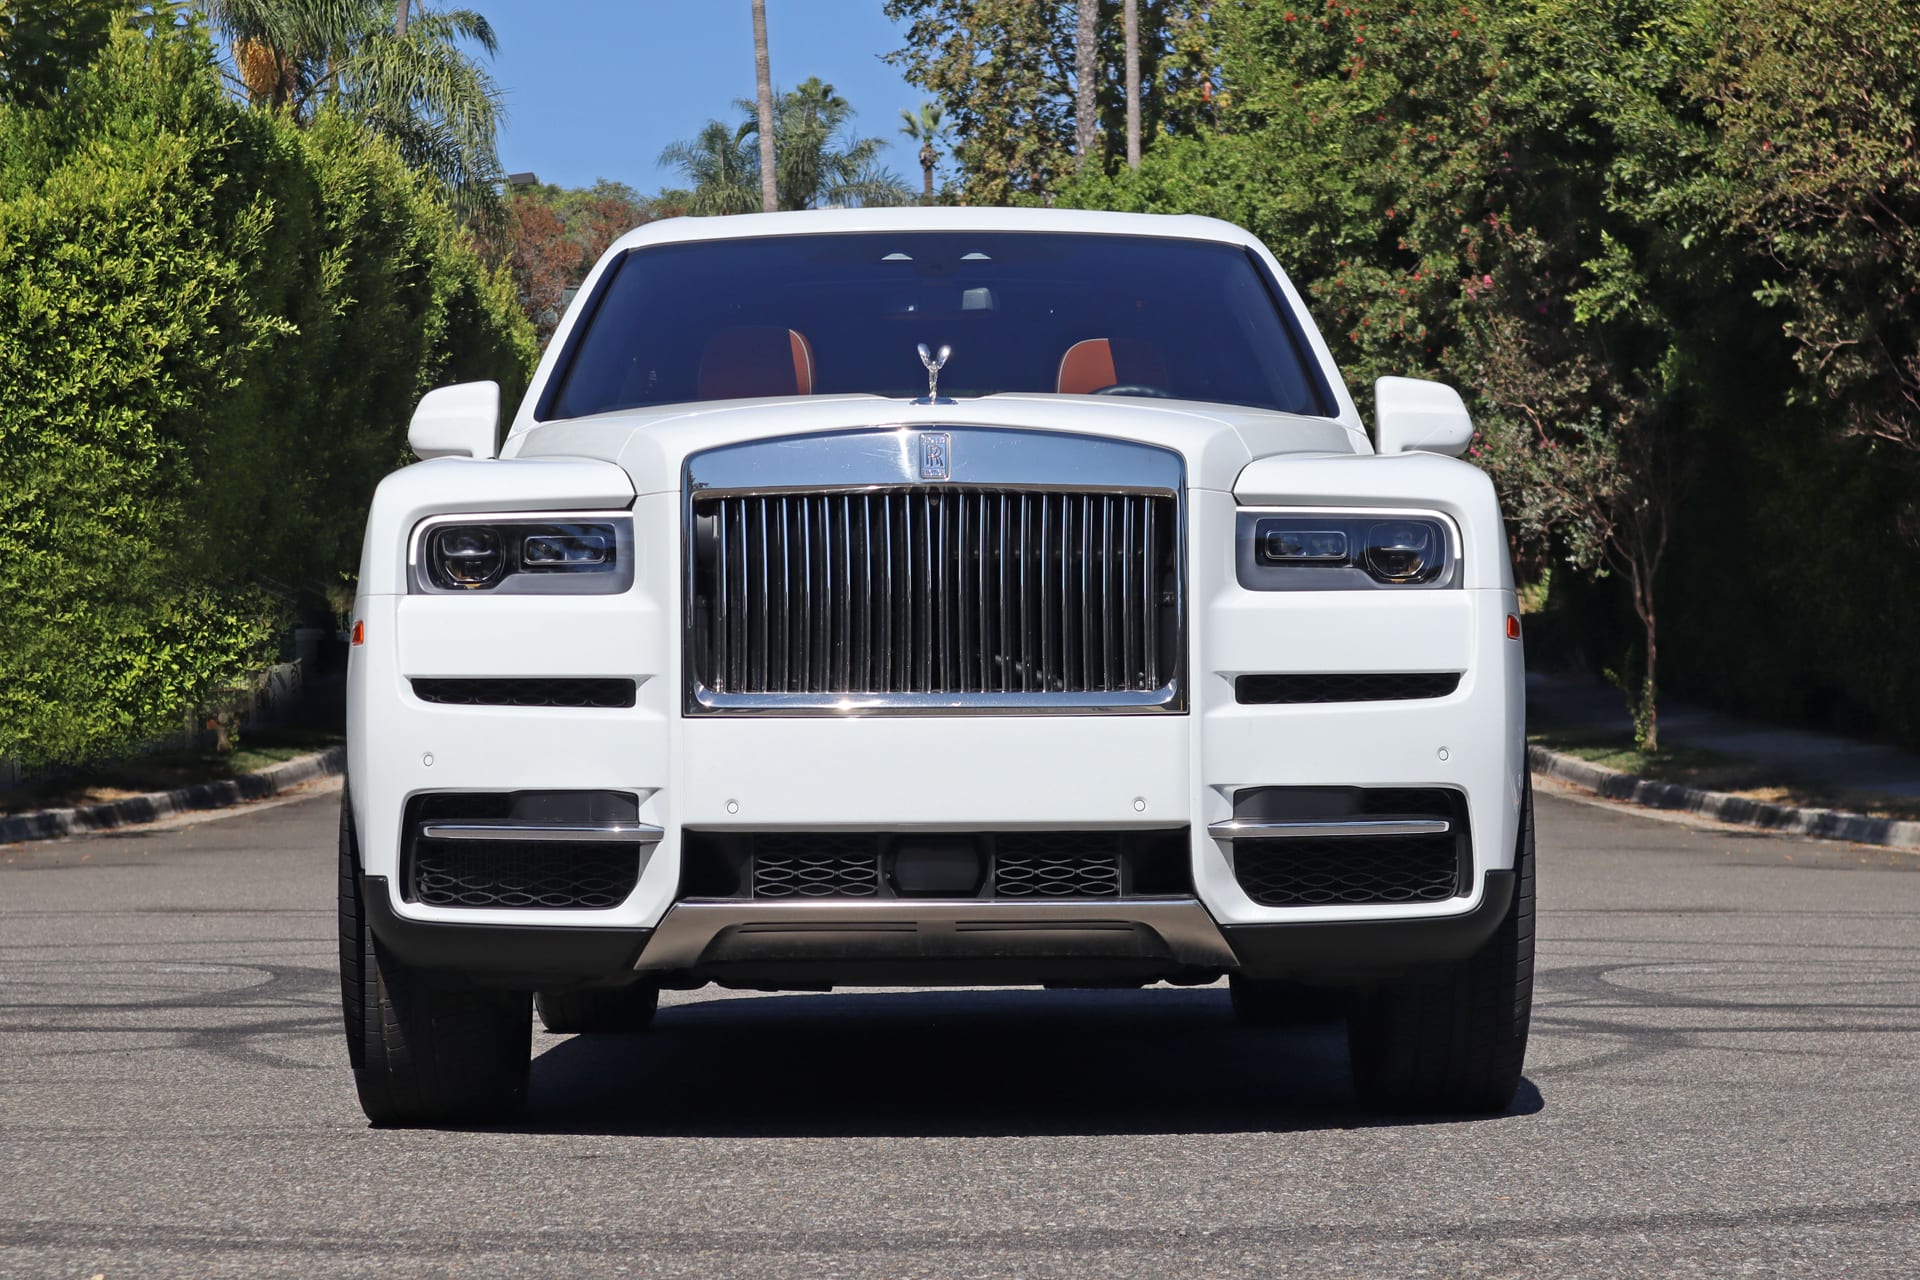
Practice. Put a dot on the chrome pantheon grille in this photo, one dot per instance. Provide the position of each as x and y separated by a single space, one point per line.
1040 572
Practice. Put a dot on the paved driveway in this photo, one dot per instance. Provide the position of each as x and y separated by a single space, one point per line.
1725 1081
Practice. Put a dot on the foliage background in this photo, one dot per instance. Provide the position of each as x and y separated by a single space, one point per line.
214 324
1670 252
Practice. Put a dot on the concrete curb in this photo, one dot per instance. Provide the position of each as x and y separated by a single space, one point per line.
1826 824
51 824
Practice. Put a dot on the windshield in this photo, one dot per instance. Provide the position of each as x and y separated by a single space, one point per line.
1018 311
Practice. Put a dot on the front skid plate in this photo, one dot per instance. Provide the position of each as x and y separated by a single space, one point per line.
699 934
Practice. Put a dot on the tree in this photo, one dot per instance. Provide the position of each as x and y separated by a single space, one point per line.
214 323
551 236
1006 73
1451 186
924 127
817 158
763 88
42 42
725 173
1086 60
413 82
1133 83
1817 146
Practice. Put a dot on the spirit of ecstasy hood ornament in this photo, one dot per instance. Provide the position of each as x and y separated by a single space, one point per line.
934 363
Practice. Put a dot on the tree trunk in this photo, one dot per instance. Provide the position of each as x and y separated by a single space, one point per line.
769 197
1086 106
1647 714
400 18
1642 545
928 158
1133 83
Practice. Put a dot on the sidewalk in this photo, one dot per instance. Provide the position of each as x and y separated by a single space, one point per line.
1822 759
1725 768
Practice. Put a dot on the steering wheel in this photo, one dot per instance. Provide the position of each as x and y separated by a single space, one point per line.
1132 389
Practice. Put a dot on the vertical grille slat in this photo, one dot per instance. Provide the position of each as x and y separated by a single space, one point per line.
935 591
1089 631
1149 592
923 589
1106 594
883 606
1046 597
1129 634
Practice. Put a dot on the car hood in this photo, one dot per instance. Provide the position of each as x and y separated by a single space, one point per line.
1217 441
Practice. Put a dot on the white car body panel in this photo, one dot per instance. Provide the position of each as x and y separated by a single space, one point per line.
934 771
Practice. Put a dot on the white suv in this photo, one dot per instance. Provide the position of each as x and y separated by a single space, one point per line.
935 596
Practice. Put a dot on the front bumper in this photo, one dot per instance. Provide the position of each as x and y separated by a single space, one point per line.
943 773
787 944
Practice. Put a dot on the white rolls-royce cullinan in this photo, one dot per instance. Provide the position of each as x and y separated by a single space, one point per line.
935 596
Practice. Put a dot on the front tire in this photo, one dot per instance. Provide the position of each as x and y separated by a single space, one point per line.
1454 1040
425 1050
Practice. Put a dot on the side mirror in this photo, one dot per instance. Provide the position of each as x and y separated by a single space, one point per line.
1412 413
457 421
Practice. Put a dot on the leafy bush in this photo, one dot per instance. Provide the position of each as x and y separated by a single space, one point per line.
213 327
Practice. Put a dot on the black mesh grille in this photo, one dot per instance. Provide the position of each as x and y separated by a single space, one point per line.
1056 865
527 692
1032 865
1345 687
460 873
1349 870
815 866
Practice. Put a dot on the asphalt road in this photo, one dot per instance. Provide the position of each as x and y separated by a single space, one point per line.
1723 1082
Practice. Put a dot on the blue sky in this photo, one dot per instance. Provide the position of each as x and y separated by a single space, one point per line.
596 90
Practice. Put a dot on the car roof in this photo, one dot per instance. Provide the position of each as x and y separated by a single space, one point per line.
938 218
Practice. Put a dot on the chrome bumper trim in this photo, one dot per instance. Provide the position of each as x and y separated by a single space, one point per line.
1255 829
544 832
690 928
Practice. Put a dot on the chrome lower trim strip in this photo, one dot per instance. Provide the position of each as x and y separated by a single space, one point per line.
1166 698
689 928
544 832
1254 829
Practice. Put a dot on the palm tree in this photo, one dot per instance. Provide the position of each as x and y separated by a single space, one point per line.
1132 12
818 158
1086 109
722 169
412 81
925 128
763 88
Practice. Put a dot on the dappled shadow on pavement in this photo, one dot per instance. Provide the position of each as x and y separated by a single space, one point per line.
952 1063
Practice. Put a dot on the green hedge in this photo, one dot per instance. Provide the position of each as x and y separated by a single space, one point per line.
213 328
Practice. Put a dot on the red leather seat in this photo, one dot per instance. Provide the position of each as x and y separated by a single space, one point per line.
761 360
1093 363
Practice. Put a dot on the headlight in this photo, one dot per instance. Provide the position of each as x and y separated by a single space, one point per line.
1344 551
517 556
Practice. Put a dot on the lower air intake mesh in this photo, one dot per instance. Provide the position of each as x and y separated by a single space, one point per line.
1056 865
459 873
815 866
1349 870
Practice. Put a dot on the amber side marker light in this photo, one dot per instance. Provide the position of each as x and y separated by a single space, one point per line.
360 630
1513 629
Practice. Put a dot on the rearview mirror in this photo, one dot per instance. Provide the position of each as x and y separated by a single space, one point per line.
1412 413
456 422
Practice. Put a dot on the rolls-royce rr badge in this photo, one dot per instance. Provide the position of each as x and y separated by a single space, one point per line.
933 454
